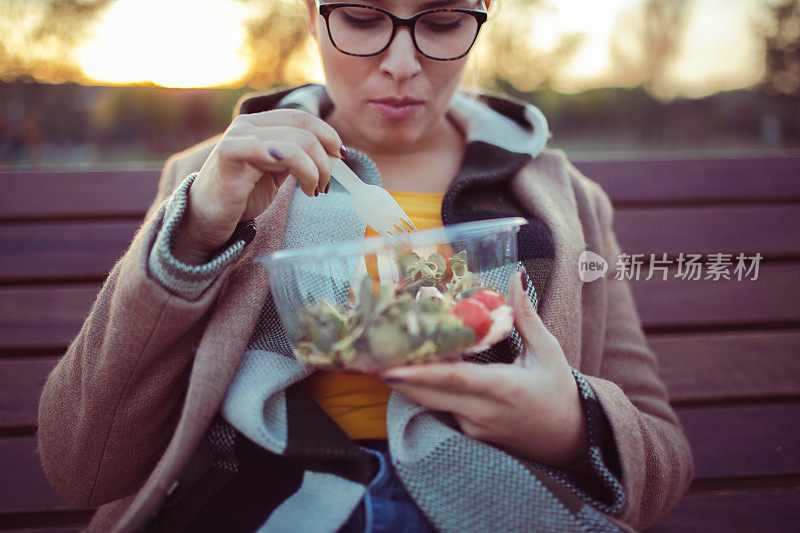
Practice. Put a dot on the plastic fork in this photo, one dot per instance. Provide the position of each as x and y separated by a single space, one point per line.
374 205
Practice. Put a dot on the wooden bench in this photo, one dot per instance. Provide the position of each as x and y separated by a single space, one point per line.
729 350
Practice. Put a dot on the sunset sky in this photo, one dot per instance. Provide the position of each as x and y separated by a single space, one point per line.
720 50
198 43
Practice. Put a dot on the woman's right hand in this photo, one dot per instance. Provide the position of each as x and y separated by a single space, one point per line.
243 173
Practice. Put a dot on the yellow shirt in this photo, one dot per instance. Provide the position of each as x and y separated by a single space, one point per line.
357 402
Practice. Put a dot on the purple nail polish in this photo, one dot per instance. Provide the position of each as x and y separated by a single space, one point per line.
343 151
316 193
524 279
327 187
393 379
276 154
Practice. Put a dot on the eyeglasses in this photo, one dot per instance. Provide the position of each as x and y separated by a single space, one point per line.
443 34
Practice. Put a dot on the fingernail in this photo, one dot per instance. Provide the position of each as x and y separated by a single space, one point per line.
524 279
276 154
316 193
327 187
393 379
343 151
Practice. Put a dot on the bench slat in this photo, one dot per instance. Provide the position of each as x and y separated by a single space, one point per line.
748 366
69 250
23 485
759 441
769 230
743 441
43 195
776 511
675 303
21 383
44 317
697 180
54 251
66 529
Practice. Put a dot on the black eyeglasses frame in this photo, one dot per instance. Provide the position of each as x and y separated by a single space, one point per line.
397 22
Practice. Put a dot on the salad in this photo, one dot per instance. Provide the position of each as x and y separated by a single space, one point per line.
438 311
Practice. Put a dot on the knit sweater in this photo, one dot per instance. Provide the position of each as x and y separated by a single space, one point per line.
119 418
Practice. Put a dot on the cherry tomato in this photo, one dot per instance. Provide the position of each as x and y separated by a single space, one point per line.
489 298
474 315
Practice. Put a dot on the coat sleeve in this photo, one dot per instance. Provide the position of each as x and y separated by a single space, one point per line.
110 406
654 454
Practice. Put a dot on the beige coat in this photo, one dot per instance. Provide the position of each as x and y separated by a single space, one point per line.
125 407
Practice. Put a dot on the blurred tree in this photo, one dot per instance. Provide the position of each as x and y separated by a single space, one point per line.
646 42
782 48
278 43
36 37
509 51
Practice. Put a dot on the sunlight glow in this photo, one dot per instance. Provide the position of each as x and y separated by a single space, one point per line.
199 43
173 43
720 51
596 21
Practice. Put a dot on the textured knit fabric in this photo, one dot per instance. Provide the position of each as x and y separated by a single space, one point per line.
132 400
189 281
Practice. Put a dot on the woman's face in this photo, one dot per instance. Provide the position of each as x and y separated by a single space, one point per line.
394 99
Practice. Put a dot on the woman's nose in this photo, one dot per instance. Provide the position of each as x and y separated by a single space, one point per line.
401 59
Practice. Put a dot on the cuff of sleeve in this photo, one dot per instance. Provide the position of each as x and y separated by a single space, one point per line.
597 481
190 281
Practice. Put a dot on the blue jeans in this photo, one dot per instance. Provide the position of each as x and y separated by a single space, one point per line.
386 506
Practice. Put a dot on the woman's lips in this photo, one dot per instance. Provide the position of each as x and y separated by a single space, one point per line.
396 110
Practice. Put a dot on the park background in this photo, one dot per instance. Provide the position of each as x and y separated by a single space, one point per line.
684 111
87 82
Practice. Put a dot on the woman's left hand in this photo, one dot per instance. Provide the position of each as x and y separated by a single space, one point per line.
531 408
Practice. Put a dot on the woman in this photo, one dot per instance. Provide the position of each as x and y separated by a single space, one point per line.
179 406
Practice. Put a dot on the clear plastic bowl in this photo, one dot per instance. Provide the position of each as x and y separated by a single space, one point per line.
421 309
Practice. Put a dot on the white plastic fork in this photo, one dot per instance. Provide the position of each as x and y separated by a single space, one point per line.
376 207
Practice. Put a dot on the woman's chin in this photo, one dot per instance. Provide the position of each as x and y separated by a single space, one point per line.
394 137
